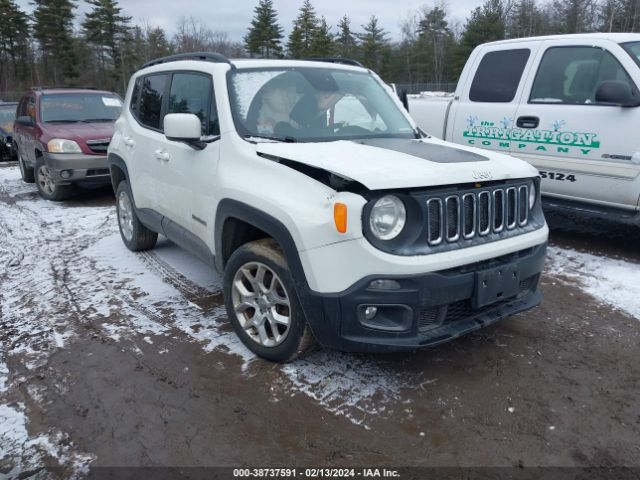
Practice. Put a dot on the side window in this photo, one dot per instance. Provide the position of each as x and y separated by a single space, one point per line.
151 98
22 107
31 108
572 75
193 93
135 95
498 76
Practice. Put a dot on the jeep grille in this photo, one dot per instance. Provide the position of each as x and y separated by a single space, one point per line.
471 214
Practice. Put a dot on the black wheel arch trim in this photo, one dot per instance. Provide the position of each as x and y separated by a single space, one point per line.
117 161
233 209
310 302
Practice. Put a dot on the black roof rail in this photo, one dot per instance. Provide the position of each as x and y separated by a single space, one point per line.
62 87
343 61
203 56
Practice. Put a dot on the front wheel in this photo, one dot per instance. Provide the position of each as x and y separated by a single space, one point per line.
134 234
262 303
47 188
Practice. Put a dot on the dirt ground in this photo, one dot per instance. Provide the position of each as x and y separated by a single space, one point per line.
109 358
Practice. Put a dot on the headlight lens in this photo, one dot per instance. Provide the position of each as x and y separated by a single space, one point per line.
533 195
61 145
388 217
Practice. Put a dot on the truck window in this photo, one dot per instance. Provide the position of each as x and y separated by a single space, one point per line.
192 93
498 76
633 49
572 75
151 99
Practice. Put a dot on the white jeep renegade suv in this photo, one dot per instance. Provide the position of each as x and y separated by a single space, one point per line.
331 215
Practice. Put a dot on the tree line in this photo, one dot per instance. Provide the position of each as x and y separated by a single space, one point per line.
47 48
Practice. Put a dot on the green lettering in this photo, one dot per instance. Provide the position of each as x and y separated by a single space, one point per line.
541 148
563 150
505 144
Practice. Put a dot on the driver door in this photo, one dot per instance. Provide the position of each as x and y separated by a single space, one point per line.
584 150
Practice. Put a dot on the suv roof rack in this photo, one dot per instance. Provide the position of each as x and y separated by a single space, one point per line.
343 61
61 87
203 56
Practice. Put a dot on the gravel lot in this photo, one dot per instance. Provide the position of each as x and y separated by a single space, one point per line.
110 358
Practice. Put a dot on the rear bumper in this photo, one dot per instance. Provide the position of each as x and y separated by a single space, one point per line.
427 310
66 168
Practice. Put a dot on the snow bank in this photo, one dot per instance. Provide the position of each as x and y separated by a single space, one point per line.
610 281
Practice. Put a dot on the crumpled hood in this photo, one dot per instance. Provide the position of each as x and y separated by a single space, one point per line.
393 163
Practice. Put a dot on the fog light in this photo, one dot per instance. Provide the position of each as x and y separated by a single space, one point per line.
384 284
370 312
66 174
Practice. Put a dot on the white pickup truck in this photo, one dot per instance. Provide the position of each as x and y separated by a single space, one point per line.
566 104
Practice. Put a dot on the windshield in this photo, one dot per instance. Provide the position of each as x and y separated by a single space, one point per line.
633 49
314 104
7 117
80 107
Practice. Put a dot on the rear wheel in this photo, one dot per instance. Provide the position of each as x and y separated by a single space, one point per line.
47 188
134 234
25 172
262 302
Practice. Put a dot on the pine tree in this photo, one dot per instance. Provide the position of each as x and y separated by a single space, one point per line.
107 31
574 16
436 39
345 43
265 35
373 43
487 23
322 40
14 45
304 28
53 29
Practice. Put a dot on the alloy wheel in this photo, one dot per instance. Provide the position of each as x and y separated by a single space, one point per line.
125 215
44 180
261 304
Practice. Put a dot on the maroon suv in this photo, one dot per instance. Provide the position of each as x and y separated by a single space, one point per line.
61 137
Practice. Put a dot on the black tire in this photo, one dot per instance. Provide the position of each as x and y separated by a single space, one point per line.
46 187
25 171
299 338
135 236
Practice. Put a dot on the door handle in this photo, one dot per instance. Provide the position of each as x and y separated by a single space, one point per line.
128 141
527 122
162 155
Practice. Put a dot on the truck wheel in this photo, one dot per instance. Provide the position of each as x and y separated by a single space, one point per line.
25 171
262 303
46 186
134 234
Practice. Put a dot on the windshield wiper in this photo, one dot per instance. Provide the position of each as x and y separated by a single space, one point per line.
96 120
62 121
285 139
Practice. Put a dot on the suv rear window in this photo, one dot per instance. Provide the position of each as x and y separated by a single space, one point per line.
498 76
151 98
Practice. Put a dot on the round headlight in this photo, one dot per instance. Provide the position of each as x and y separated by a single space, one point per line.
533 195
388 217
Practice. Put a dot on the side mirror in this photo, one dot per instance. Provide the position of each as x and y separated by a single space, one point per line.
25 121
615 92
182 127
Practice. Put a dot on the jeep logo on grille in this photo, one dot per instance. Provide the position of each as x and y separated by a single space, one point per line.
482 174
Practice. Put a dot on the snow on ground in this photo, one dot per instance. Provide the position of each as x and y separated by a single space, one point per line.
611 281
63 268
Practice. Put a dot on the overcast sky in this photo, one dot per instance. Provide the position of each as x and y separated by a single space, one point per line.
234 16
